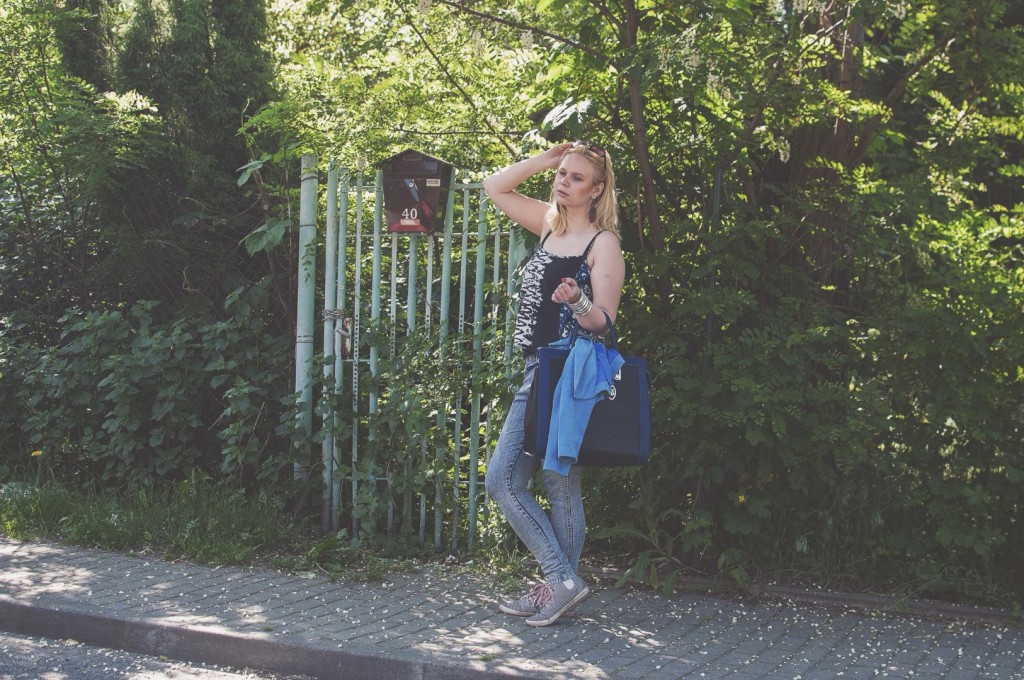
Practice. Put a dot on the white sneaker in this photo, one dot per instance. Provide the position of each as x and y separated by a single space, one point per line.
556 599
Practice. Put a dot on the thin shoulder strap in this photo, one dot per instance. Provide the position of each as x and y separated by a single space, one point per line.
546 238
591 244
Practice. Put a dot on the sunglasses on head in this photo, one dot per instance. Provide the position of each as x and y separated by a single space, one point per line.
592 148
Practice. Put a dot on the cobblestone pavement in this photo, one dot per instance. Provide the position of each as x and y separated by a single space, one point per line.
443 623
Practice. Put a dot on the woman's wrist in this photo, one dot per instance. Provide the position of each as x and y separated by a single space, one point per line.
537 164
582 306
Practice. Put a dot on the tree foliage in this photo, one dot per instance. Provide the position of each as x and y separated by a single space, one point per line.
119 162
131 317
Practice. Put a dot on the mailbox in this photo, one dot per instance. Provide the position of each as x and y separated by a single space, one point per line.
415 191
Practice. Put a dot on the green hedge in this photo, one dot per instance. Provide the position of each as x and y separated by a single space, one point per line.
126 402
880 441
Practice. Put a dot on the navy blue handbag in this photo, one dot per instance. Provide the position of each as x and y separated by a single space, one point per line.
619 431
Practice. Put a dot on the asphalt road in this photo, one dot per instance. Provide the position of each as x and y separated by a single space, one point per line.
29 658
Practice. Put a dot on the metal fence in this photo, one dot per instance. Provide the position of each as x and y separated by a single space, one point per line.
379 290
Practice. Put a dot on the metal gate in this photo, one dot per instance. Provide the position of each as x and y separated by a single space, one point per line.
446 297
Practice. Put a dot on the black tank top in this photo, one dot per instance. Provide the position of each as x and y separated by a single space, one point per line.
540 321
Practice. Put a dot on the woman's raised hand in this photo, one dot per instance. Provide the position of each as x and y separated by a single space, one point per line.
553 156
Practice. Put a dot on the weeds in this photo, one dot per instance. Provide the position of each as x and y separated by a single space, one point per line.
196 520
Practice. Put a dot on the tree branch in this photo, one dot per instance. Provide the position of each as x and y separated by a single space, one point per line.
526 27
643 154
603 10
894 96
465 95
776 71
458 133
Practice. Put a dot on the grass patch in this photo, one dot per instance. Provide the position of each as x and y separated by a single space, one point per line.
337 556
504 567
200 521
196 520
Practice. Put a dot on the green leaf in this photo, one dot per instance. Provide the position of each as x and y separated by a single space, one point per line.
267 235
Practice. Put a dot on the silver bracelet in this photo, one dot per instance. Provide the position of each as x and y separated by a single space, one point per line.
582 306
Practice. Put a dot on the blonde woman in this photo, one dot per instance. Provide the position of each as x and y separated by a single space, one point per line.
574 277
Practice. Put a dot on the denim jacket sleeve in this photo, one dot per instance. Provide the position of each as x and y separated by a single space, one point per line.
586 379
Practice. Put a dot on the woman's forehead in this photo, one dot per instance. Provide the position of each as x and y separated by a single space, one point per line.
575 162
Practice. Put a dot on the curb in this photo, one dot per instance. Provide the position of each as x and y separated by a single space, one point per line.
198 644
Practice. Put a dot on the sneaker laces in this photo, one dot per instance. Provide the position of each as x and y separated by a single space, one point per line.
543 594
534 592
530 598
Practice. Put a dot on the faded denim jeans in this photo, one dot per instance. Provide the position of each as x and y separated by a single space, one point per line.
556 540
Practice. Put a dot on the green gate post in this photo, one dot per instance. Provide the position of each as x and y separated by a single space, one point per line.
304 311
357 281
341 339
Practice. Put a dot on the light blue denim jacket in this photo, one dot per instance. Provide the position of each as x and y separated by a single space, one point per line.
587 378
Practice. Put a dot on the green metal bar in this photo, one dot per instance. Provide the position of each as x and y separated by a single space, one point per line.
456 471
478 316
428 297
378 218
446 277
394 293
340 341
410 299
515 255
495 308
410 320
446 263
304 308
427 308
393 325
496 274
357 281
464 261
330 302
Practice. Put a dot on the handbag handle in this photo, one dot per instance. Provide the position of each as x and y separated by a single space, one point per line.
611 330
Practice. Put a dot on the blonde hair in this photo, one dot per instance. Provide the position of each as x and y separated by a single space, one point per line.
606 207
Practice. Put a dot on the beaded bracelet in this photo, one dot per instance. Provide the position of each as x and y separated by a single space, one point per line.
582 306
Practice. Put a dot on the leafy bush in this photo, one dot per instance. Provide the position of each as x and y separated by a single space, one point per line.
127 402
421 430
879 444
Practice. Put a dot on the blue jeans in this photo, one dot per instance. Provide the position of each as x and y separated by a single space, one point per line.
556 541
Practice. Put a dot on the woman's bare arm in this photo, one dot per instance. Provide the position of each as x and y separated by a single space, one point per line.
501 189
